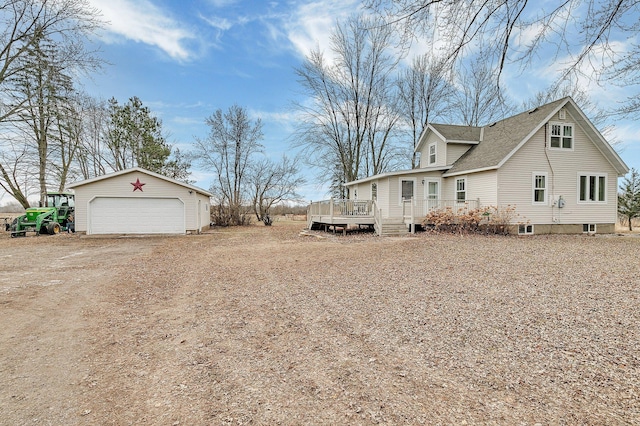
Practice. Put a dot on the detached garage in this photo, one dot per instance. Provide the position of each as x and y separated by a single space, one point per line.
137 201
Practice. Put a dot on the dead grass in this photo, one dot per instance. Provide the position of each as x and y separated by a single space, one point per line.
261 325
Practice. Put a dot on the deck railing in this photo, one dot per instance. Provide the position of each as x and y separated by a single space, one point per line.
341 208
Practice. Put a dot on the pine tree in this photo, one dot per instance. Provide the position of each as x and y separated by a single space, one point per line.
629 197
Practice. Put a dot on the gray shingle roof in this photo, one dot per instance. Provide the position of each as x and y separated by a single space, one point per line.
453 132
501 138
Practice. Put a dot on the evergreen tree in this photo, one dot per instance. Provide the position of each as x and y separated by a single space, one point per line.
135 138
629 198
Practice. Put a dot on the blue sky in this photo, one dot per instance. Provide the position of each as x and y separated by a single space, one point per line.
185 59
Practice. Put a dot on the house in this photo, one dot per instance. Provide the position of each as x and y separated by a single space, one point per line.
137 201
550 163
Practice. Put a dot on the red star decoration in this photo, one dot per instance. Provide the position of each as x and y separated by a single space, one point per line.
137 185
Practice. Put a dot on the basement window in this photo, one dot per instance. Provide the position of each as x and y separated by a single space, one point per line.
525 229
589 228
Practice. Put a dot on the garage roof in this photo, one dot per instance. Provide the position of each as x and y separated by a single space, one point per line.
140 170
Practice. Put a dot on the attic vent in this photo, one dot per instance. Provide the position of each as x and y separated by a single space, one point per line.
562 114
533 110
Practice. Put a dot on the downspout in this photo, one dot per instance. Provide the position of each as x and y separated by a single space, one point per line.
553 179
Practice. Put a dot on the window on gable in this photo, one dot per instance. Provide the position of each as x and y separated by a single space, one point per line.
540 188
561 136
461 189
432 153
592 188
407 189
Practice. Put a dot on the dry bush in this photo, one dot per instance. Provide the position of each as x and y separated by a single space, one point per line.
227 216
486 220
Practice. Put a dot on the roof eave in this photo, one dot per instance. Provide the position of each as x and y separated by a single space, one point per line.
397 173
466 172
141 170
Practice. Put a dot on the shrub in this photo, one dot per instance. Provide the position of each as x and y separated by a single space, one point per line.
487 220
226 216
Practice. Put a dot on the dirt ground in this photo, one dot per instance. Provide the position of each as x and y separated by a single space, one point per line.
263 325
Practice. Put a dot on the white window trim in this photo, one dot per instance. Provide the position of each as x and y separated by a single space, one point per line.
573 136
435 153
455 189
597 175
376 194
400 189
526 229
533 189
589 231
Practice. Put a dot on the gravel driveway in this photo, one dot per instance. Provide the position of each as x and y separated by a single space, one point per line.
262 325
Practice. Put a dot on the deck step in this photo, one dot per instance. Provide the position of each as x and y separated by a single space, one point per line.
394 228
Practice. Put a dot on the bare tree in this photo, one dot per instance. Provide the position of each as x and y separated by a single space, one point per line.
352 118
42 88
477 100
228 151
93 116
425 95
41 46
272 183
584 31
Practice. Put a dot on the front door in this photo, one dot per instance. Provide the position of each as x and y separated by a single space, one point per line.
432 194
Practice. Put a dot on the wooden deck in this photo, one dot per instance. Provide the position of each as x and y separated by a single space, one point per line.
341 214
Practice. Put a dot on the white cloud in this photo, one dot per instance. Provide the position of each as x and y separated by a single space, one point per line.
222 24
309 26
143 22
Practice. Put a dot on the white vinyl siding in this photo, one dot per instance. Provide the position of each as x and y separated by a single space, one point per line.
484 187
563 168
440 146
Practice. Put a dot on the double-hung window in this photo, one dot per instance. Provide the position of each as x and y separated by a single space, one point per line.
592 188
461 190
561 136
374 191
540 183
432 154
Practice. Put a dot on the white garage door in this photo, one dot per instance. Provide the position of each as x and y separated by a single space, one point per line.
118 215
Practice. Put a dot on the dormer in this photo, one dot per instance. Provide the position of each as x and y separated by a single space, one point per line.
441 145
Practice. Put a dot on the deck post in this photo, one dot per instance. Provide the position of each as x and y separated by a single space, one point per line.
413 225
331 209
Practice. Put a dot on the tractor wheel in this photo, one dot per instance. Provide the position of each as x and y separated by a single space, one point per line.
53 228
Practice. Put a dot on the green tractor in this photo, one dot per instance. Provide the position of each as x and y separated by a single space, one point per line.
56 216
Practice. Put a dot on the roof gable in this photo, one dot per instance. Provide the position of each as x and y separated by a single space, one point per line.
139 170
450 133
504 138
